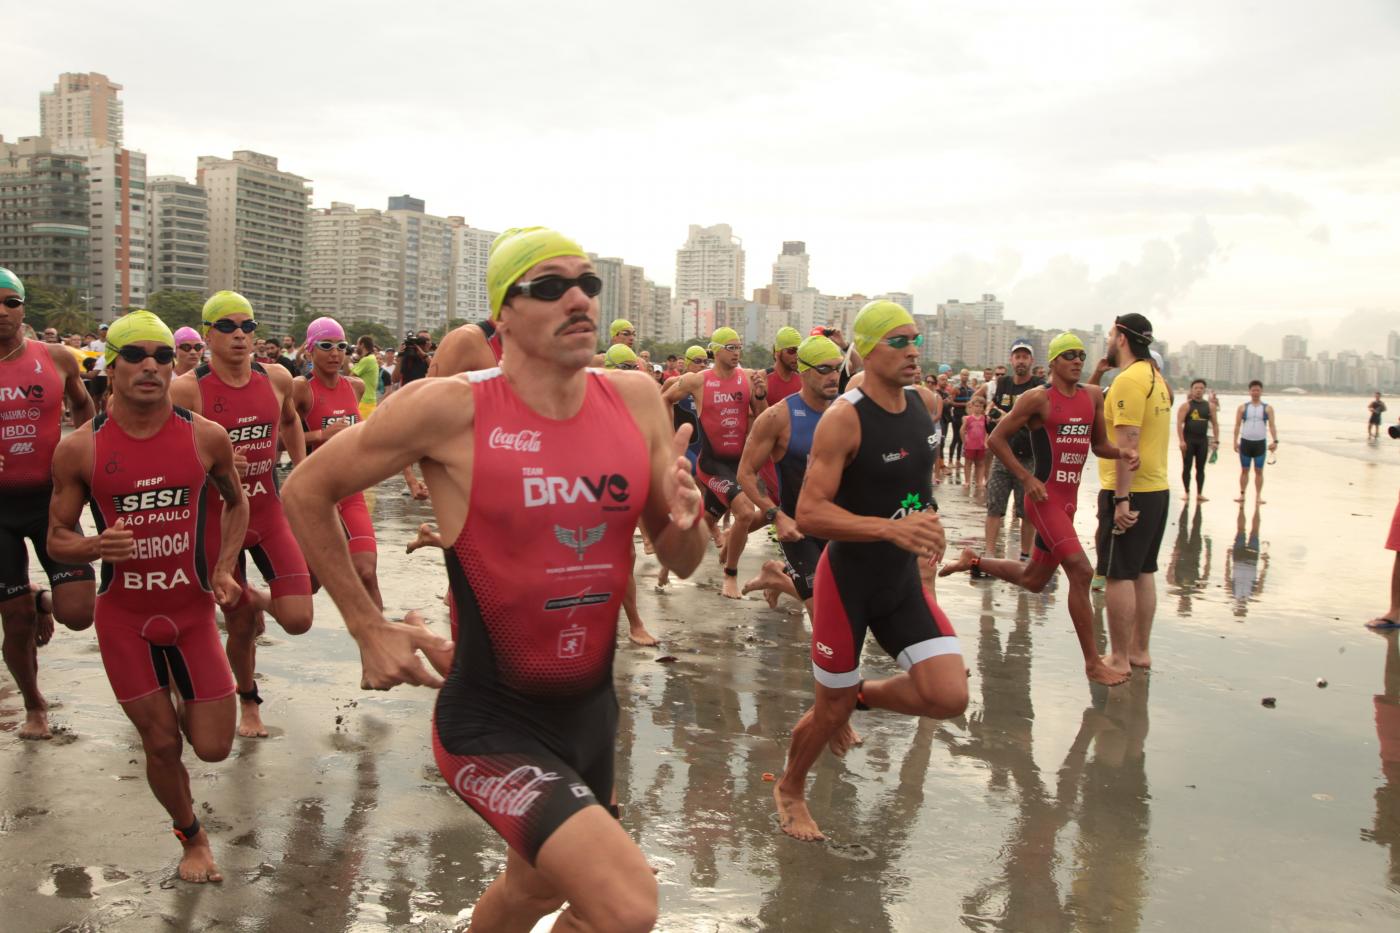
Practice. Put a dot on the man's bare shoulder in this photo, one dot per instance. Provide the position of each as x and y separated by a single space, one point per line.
636 388
463 349
62 357
184 390
447 400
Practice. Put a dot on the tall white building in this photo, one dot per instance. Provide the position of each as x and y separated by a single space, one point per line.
903 299
117 255
1295 347
657 322
177 235
426 269
810 308
353 260
468 299
710 264
81 110
792 268
257 233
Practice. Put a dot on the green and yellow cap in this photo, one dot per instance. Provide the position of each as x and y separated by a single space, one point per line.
516 251
696 353
816 350
618 326
134 328
618 354
722 336
11 281
786 338
876 320
222 304
1063 342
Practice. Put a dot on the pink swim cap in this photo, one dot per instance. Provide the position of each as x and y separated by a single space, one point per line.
187 335
324 328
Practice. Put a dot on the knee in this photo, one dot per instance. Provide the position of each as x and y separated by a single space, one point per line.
369 579
633 910
944 700
835 708
20 619
212 749
295 621
162 745
76 621
532 903
744 511
73 611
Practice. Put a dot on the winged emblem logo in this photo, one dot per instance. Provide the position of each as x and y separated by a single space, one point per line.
580 539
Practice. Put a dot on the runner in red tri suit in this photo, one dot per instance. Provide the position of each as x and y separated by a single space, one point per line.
144 467
328 403
35 378
1066 424
254 405
540 507
726 400
782 377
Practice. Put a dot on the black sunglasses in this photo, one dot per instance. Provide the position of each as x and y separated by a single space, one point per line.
13 302
822 370
553 287
227 327
187 347
163 356
340 345
1073 356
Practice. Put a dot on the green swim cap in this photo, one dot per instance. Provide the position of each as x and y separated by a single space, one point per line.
618 326
722 336
618 354
1063 342
786 337
816 350
222 304
876 320
696 353
133 328
11 281
516 251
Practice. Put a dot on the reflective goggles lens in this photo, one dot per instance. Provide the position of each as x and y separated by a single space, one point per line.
227 327
340 345
187 347
899 343
553 287
162 355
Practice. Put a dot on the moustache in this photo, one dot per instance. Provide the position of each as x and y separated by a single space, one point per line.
573 321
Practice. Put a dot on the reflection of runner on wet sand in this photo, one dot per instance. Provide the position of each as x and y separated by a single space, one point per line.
1246 563
1187 574
1386 831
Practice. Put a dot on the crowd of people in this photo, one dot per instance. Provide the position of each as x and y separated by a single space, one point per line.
541 455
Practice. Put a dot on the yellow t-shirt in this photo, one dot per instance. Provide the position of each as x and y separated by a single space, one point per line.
1140 398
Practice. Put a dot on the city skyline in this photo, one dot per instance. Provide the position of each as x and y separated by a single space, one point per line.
1189 163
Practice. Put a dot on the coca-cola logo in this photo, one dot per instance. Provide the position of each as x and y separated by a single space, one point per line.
524 442
509 794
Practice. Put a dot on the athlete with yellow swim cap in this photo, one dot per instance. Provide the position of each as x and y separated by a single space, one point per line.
1066 424
869 492
36 379
255 406
538 508
782 375
726 401
619 356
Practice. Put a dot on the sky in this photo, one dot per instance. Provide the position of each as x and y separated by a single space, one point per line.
1231 170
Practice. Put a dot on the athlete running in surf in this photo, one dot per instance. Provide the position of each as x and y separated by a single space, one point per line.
254 405
869 492
782 436
541 539
35 380
144 466
1066 424
726 401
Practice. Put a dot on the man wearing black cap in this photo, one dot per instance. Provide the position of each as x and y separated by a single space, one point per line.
1001 394
1133 505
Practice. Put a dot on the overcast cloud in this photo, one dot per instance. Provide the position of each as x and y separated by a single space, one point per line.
1224 168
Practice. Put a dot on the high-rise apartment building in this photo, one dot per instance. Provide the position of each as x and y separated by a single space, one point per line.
177 236
117 249
657 322
257 232
426 264
903 299
792 268
81 110
710 264
810 308
353 264
1295 347
44 214
468 299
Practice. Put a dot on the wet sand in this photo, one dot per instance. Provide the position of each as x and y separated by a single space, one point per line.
1177 802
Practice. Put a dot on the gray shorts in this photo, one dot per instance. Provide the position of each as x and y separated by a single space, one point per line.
1000 485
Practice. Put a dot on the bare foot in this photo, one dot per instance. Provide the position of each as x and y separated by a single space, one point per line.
1240 499
43 620
1114 663
794 817
964 562
36 725
639 636
427 536
1101 673
1201 498
844 740
647 546
440 660
1140 659
730 588
197 864
250 724
663 577
769 578
770 596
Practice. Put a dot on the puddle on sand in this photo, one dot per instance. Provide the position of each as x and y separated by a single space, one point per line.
80 881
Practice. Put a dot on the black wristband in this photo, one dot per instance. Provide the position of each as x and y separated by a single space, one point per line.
1118 499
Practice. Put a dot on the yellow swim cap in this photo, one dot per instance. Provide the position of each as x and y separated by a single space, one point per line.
133 328
696 354
11 281
876 320
817 350
786 337
724 335
516 251
618 354
618 326
1063 342
222 304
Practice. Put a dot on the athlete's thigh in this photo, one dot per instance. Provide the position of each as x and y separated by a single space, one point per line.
359 529
915 627
153 715
210 724
838 622
942 680
592 863
14 556
202 654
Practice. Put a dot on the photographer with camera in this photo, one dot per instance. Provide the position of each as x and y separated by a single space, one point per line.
413 359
